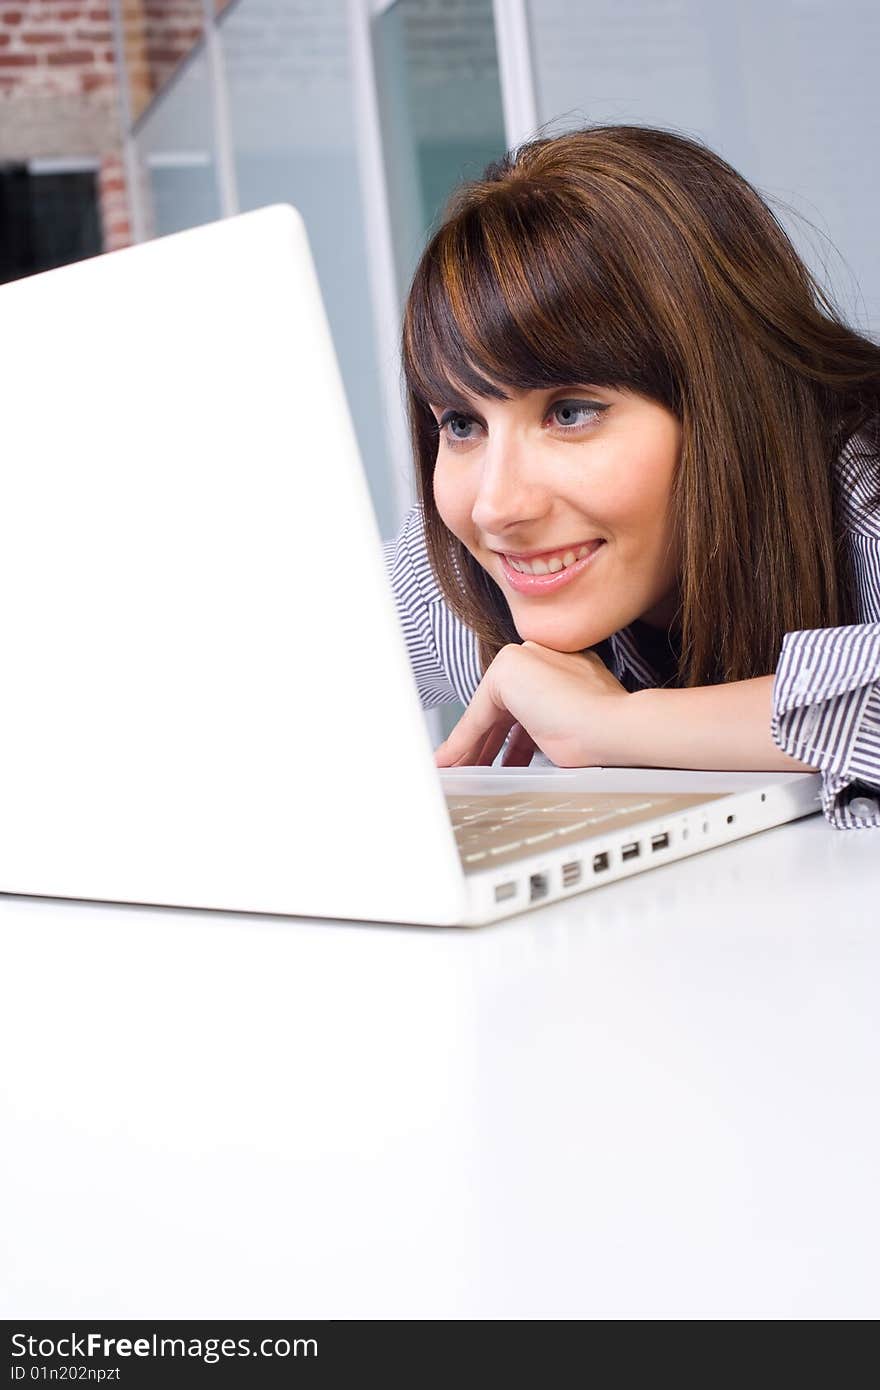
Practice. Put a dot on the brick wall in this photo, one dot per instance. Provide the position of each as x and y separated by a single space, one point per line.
158 35
57 80
58 83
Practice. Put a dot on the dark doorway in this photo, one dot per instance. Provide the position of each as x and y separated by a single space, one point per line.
46 220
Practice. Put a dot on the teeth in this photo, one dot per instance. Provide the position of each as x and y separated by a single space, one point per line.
553 565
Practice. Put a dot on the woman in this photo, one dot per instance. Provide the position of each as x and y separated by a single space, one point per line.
648 462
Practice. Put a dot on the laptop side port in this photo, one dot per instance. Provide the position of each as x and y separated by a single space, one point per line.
630 851
600 861
660 841
571 873
504 890
538 887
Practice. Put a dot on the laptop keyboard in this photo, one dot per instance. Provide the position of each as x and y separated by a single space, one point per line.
489 829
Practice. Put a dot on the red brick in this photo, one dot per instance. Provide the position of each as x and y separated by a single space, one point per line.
18 60
93 81
12 17
4 38
43 36
70 56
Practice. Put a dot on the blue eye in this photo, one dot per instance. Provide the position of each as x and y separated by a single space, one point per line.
573 407
456 427
565 410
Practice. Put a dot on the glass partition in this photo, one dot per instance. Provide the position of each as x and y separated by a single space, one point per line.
293 130
442 114
175 145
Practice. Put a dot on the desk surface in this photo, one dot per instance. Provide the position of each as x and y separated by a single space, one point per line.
657 1098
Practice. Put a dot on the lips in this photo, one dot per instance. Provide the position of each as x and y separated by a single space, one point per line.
548 583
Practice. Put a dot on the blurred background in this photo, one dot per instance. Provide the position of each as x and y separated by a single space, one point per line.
127 120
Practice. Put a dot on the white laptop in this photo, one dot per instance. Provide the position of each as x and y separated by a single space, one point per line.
206 699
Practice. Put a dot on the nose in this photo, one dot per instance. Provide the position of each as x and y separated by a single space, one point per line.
510 494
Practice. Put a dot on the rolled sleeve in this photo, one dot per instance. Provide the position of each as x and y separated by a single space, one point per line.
826 712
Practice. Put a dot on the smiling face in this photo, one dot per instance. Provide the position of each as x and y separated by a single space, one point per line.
553 471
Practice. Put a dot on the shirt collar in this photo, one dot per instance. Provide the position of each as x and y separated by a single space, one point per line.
627 663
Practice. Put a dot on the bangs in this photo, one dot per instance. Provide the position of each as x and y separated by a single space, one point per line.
508 295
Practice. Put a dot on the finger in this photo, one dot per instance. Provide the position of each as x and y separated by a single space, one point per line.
485 723
481 753
520 750
493 743
482 728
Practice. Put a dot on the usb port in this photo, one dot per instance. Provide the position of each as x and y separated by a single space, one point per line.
660 841
600 861
571 873
630 851
504 890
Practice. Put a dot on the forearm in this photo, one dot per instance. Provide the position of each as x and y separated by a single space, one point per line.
716 727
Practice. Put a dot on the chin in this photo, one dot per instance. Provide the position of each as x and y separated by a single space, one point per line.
561 636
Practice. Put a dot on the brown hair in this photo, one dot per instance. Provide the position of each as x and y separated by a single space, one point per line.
635 258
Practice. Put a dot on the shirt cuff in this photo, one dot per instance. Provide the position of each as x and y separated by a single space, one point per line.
826 711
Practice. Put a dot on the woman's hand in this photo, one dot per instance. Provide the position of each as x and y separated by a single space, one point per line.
567 704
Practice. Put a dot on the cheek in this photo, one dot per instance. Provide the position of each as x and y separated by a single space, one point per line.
637 501
451 500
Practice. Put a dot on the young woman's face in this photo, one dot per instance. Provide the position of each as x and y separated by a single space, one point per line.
554 471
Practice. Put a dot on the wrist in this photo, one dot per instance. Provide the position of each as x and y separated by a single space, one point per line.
715 727
643 732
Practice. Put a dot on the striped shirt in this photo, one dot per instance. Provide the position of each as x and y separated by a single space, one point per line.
826 689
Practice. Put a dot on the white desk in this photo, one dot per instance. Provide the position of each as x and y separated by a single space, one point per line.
659 1097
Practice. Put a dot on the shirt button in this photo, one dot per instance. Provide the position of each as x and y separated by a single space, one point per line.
863 806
